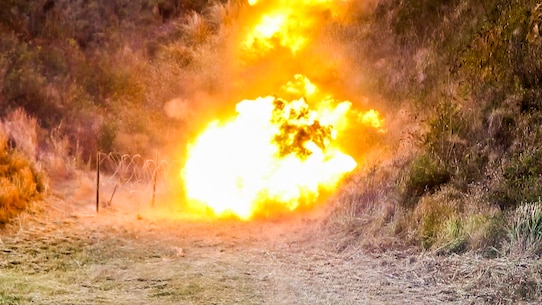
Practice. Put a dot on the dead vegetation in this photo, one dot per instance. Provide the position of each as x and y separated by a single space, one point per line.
467 70
66 254
21 181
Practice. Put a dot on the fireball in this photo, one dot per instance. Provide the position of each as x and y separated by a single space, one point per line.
288 23
274 156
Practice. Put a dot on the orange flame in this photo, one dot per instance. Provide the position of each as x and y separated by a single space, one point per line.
287 23
273 156
372 118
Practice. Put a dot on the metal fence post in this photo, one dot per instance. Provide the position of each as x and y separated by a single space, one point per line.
97 182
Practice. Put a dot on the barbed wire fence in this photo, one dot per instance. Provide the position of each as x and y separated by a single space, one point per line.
136 174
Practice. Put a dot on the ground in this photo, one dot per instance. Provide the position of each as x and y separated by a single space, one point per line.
66 253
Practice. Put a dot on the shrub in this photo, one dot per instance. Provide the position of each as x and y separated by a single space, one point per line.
45 149
456 141
485 233
521 179
425 175
20 183
22 130
25 84
436 217
196 29
451 221
55 155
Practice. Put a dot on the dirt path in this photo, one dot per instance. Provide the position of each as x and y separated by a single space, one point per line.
67 254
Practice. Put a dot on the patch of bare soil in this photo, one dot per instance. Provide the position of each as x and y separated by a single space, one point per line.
67 254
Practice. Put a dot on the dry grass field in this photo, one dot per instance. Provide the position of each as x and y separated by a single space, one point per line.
65 253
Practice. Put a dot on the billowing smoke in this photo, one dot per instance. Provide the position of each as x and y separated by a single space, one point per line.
240 50
294 54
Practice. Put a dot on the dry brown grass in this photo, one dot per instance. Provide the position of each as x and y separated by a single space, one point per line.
20 183
365 211
65 253
45 150
486 281
22 130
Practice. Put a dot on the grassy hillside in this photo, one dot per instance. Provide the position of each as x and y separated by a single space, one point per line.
94 71
470 72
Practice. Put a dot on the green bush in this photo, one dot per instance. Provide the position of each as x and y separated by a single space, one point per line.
449 139
425 175
451 221
521 179
26 83
435 214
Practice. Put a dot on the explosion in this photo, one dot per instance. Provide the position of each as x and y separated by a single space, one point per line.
288 23
275 155
278 152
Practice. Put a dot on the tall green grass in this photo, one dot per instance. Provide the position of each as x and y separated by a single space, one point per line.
525 229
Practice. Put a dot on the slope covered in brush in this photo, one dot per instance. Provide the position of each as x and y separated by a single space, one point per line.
470 73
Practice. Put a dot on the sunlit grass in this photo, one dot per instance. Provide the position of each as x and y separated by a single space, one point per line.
20 183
